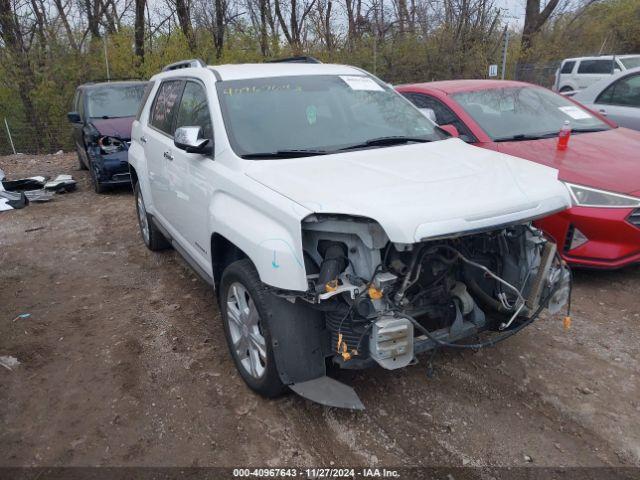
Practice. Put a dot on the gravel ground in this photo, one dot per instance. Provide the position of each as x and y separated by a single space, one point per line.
123 362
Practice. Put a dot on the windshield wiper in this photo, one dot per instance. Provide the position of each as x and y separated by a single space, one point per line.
385 141
284 154
588 130
523 137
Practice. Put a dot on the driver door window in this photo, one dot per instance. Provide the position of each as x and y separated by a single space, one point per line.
194 110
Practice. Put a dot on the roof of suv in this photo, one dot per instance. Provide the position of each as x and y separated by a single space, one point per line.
122 83
601 57
263 70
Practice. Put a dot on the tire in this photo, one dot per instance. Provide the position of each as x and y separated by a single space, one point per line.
566 89
97 186
151 236
81 165
248 335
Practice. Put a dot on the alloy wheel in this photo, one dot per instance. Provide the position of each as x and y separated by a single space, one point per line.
245 330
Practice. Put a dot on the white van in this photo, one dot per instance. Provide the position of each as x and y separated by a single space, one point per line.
578 73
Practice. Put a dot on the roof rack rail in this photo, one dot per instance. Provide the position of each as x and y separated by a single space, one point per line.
301 59
192 63
117 79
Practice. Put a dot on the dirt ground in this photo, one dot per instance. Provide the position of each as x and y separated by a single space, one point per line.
123 362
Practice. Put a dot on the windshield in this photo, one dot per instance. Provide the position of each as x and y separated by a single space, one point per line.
115 101
630 62
504 113
318 114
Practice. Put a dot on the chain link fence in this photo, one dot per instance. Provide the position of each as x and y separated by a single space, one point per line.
543 74
20 136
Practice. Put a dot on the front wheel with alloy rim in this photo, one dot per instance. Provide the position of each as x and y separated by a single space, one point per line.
152 237
244 308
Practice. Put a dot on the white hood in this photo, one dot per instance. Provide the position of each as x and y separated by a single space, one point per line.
419 191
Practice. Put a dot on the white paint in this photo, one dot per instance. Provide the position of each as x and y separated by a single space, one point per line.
413 191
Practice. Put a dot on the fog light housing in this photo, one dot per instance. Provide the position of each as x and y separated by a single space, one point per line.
577 239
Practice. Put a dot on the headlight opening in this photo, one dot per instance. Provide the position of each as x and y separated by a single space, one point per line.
592 197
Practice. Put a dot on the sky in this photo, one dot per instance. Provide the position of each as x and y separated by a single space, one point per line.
513 11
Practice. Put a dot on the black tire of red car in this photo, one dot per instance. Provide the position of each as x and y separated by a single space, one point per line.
243 272
153 239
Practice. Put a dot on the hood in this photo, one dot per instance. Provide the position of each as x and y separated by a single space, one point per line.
419 191
608 160
114 127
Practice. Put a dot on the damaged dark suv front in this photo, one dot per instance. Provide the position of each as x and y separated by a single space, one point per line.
102 118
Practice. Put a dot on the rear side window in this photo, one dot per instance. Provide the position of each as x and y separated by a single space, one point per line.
194 110
145 97
165 105
567 67
624 92
595 66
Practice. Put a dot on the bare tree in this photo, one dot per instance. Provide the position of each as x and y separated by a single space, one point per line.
219 26
534 20
321 22
139 29
293 29
65 23
183 12
354 12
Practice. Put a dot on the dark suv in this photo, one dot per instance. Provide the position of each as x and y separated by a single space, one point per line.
102 117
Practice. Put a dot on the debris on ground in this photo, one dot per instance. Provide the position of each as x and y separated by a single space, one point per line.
16 194
9 362
61 184
22 316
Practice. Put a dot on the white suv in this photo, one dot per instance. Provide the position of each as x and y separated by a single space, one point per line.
337 223
578 73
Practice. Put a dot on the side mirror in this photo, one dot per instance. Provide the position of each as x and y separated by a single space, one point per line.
429 113
74 117
451 130
188 139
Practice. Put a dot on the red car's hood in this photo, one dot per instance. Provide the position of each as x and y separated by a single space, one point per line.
114 127
608 160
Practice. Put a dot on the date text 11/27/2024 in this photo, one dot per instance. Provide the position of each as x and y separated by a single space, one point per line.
315 472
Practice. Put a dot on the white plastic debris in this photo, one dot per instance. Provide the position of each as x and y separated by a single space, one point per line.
9 362
4 205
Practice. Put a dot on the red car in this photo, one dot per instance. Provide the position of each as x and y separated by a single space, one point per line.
601 165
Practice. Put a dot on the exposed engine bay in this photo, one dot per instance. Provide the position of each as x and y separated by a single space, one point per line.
385 302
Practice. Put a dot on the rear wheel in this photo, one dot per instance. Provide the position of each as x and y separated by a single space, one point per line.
565 89
151 235
244 312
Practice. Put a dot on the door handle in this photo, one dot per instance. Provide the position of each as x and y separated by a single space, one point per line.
143 139
602 112
168 156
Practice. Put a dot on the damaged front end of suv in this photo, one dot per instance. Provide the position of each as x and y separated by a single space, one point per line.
384 303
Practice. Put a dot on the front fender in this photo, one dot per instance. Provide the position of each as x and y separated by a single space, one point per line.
271 239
